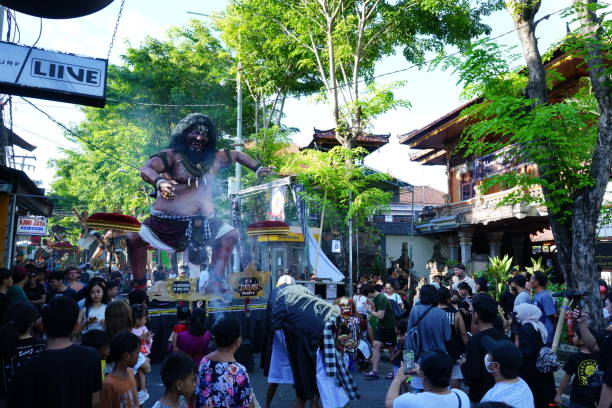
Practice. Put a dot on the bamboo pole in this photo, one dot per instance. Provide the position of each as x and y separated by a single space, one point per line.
320 234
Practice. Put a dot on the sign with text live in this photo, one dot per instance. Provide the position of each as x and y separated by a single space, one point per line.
52 75
31 225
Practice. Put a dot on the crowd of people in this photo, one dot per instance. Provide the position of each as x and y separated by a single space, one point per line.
69 343
471 349
72 341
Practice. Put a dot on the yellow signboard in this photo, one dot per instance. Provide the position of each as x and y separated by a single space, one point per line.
248 284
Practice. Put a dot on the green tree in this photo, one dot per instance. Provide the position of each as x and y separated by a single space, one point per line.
571 141
158 83
339 187
341 41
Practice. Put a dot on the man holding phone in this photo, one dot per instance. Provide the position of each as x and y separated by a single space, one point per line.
435 369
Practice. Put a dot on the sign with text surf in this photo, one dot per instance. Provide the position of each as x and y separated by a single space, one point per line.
31 225
52 75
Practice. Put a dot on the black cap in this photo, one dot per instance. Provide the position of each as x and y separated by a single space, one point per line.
459 266
507 354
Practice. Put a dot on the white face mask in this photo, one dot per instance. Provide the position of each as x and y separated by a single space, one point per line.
487 362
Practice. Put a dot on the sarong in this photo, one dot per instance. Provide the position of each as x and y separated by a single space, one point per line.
171 233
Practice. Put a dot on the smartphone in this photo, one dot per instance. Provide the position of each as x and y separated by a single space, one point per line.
408 359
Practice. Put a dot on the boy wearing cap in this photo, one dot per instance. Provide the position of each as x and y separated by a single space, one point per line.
503 362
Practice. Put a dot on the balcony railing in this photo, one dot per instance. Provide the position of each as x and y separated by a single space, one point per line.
485 208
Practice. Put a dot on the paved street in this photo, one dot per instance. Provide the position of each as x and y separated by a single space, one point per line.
372 391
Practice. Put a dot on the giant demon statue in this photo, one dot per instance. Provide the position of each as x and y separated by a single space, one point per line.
182 216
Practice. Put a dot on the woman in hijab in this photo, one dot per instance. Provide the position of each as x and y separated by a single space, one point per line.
531 337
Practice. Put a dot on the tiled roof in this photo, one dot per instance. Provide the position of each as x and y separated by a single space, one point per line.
423 195
542 236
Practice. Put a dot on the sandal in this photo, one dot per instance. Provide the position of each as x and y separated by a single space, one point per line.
373 375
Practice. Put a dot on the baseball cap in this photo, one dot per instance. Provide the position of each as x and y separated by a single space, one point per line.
459 266
507 354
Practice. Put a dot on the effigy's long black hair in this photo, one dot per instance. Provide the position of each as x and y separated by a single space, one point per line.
178 143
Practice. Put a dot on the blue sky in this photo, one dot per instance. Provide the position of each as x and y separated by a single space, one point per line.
431 93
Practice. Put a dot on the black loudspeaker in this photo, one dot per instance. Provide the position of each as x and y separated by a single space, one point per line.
56 8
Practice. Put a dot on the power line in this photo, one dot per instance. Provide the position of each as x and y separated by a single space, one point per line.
92 145
198 105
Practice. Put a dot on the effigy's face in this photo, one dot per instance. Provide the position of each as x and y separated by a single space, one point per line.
197 138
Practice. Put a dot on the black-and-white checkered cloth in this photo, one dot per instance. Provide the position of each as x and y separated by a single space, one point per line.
334 363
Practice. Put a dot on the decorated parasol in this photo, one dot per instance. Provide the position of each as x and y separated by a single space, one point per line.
61 246
113 221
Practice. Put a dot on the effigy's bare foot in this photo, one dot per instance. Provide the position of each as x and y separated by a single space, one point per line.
216 290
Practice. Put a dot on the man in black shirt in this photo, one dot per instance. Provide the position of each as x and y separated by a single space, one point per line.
599 343
506 301
35 290
484 311
57 287
65 375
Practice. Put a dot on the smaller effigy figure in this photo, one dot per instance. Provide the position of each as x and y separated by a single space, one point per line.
310 327
88 236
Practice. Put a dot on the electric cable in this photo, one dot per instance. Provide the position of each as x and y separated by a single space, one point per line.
92 145
39 33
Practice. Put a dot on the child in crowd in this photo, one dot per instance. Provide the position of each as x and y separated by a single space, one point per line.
578 365
221 381
118 319
196 339
183 313
17 345
139 316
396 357
119 389
99 340
178 376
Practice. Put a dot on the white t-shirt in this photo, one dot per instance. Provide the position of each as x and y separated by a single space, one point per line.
429 399
395 297
517 395
98 313
360 302
467 280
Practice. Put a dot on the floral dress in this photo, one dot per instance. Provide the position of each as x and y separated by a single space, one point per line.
222 384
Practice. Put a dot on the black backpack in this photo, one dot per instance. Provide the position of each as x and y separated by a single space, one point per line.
396 308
